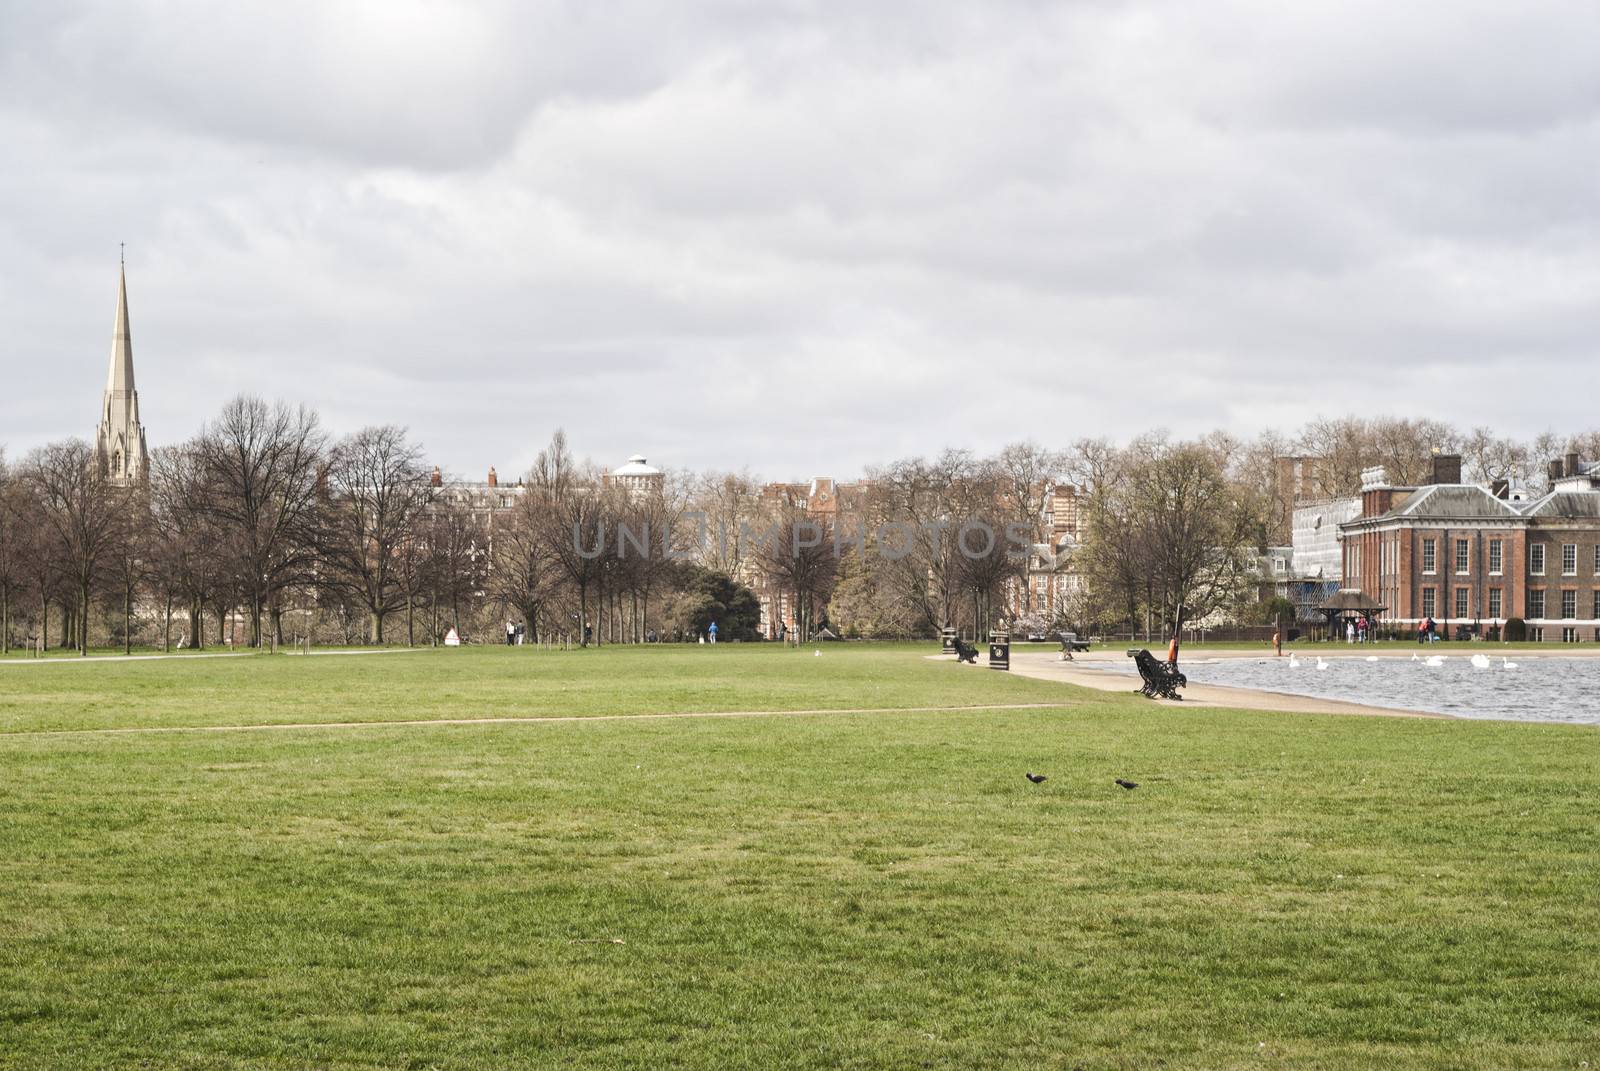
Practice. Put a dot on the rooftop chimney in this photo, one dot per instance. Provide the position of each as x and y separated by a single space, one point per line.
494 481
1446 468
1377 496
1556 470
1572 465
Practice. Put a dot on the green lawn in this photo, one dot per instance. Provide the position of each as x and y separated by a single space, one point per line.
842 890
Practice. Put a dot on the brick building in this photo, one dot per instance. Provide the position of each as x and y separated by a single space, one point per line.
1474 556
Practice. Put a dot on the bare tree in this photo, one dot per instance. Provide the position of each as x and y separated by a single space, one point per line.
458 549
261 467
131 563
84 514
573 517
379 492
524 575
798 556
15 545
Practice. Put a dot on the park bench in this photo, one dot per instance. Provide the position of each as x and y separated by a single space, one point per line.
1071 643
965 652
1161 679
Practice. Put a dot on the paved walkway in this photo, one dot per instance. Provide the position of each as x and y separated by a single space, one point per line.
1049 667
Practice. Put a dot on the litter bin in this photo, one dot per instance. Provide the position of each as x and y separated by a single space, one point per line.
947 639
1000 649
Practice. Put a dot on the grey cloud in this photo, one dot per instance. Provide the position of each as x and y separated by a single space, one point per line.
796 238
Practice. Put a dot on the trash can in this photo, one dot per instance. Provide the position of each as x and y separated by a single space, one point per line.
1000 649
947 637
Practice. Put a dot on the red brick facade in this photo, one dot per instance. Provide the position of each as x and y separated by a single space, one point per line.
1463 556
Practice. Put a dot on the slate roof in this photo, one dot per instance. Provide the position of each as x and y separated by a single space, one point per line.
1453 501
1576 504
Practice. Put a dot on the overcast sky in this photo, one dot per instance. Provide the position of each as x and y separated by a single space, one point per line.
796 237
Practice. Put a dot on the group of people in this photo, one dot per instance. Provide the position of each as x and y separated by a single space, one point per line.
1428 630
1357 629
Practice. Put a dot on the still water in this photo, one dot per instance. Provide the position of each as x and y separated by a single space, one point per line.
1525 688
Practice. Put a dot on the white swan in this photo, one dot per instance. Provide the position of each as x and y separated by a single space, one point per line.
1508 663
1480 661
1294 663
1320 663
1434 660
1415 657
1374 658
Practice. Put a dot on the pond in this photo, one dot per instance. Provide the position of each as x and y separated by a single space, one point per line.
1511 687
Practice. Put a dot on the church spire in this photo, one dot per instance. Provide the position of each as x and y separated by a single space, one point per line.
119 440
120 377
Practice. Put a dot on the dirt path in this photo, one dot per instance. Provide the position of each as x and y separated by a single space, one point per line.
546 719
69 660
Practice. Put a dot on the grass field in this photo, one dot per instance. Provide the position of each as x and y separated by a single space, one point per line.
856 890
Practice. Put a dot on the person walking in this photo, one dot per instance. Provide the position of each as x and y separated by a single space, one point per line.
713 632
1422 630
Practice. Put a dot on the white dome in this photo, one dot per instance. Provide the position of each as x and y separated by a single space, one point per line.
636 466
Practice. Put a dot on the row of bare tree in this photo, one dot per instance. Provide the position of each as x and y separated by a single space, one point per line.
262 516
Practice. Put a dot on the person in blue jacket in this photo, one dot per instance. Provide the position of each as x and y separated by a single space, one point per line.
713 631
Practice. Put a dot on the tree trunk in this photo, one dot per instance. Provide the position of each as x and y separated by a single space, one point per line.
83 619
376 629
166 627
127 619
5 621
411 623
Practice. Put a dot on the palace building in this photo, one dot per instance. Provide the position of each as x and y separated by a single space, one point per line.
1472 557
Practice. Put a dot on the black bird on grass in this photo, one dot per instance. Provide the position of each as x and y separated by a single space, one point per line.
1129 785
1036 778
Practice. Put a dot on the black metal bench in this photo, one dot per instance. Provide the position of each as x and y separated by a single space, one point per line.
965 652
1070 643
1161 679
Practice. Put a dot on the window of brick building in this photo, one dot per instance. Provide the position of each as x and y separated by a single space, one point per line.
1569 559
1461 556
1597 606
1569 603
1429 551
1496 556
1495 596
1427 602
1461 602
1597 559
1536 603
1569 635
1536 559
